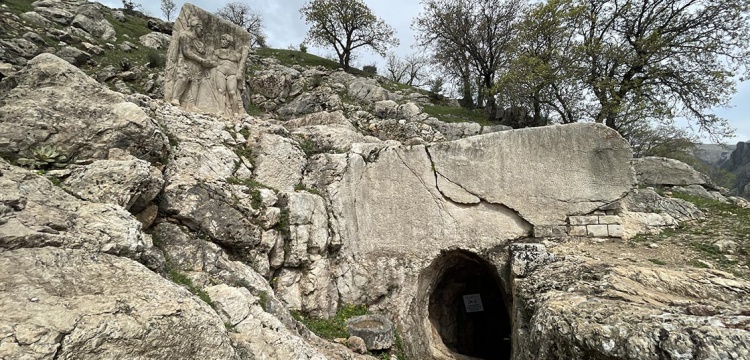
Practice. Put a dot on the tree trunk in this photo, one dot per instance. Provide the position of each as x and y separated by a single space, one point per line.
468 101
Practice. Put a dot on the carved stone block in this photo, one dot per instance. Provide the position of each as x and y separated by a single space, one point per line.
206 63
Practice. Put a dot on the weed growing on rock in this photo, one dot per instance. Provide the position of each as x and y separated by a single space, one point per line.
156 59
657 262
252 188
333 327
181 279
302 187
45 157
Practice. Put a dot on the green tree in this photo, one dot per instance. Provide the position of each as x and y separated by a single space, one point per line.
542 75
662 59
346 25
624 62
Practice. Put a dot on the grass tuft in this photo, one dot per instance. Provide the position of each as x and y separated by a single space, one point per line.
334 327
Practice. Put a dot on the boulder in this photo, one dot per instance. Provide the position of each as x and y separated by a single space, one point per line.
54 103
73 55
37 213
130 183
367 91
155 40
35 18
319 99
386 109
20 47
82 305
279 162
90 18
579 308
658 171
455 131
160 26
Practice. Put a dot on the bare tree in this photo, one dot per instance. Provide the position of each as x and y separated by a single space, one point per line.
411 70
243 15
346 25
480 30
168 8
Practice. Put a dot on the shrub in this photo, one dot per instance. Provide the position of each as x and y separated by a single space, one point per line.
156 59
370 69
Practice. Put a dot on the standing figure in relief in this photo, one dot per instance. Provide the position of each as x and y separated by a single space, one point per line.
229 75
191 65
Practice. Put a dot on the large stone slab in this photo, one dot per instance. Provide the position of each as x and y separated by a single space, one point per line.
206 63
542 173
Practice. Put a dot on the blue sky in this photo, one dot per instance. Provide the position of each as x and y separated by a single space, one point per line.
284 27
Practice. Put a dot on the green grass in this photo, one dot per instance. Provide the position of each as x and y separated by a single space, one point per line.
133 26
717 209
181 279
253 188
294 57
453 114
18 6
333 327
657 262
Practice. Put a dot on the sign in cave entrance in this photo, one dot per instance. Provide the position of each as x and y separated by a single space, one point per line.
468 307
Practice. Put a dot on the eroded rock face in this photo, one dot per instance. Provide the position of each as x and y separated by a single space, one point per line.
54 103
37 214
576 309
663 171
73 304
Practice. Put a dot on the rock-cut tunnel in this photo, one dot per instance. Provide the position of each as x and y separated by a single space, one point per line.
468 307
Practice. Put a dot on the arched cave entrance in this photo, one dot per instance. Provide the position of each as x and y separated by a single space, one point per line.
467 307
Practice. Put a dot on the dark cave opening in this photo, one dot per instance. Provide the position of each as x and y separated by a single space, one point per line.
468 307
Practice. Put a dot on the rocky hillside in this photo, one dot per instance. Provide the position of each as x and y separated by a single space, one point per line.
739 165
130 228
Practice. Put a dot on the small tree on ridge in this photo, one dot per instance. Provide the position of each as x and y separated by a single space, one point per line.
346 25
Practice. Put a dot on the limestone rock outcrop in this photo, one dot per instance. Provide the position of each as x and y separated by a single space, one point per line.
739 164
576 309
75 304
51 102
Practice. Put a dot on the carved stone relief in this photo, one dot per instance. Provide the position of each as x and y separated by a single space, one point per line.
206 63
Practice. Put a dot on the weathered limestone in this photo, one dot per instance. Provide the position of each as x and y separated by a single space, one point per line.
582 309
35 214
206 63
663 171
54 103
73 304
532 172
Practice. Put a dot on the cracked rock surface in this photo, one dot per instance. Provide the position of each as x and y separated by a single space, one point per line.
71 304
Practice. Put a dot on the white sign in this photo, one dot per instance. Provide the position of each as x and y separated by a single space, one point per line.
473 303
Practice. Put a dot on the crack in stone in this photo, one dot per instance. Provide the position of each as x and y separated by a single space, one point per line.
435 198
481 199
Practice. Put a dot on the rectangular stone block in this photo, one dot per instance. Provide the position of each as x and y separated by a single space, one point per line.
550 231
597 230
616 231
583 220
609 220
579 230
599 212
